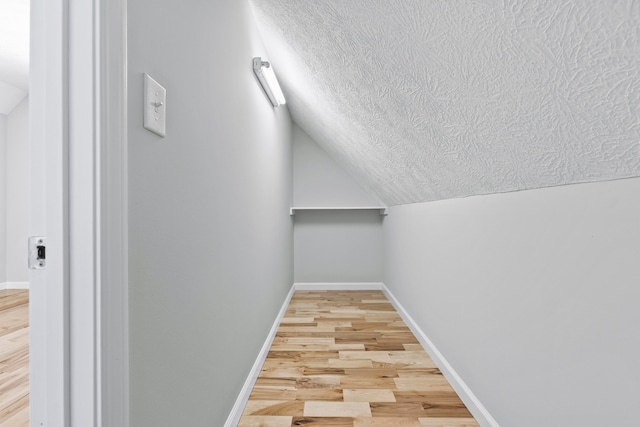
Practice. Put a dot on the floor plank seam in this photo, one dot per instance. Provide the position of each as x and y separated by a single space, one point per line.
346 358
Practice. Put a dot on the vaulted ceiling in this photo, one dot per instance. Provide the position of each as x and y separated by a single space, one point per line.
423 100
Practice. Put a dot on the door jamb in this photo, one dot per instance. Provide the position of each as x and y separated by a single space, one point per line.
79 368
114 230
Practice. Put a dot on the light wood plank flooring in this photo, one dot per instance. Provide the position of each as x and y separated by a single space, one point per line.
14 358
346 358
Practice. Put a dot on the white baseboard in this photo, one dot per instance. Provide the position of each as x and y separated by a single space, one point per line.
243 397
474 405
14 285
353 286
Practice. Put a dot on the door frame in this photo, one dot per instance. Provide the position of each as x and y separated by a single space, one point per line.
114 211
78 128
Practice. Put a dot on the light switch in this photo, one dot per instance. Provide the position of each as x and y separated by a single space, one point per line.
155 106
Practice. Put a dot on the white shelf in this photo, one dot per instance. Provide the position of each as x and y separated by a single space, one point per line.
382 209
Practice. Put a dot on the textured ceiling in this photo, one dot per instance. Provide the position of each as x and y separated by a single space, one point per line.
425 100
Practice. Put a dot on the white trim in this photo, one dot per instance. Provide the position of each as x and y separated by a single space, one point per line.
84 215
343 286
113 226
14 285
243 397
49 120
474 405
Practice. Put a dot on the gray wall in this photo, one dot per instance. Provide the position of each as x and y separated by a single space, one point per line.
210 233
533 297
3 199
332 246
15 190
319 181
18 192
338 246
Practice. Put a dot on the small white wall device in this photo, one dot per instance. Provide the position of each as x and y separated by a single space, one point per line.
155 106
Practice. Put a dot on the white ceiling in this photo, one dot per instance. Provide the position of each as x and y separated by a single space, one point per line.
14 53
426 100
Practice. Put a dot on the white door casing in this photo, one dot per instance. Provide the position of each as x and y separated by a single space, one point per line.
78 310
48 309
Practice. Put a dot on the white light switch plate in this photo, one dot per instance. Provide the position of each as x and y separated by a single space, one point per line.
155 106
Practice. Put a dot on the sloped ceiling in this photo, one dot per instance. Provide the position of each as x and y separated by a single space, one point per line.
424 100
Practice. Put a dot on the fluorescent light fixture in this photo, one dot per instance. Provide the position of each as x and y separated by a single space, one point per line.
268 81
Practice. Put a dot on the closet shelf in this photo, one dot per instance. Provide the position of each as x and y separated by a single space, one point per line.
382 209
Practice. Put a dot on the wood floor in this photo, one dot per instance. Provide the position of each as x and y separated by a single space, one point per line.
14 358
346 358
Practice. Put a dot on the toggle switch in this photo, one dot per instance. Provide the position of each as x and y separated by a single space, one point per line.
155 106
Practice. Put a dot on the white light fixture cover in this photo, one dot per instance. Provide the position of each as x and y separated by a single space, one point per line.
268 81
